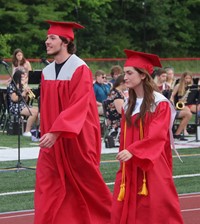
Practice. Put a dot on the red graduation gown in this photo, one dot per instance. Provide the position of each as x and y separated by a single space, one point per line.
69 186
152 154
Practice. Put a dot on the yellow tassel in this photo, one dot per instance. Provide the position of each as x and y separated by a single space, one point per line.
144 190
121 193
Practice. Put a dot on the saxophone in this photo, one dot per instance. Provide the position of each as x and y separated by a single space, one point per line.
181 103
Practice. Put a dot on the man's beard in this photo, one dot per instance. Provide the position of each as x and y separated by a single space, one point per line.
54 53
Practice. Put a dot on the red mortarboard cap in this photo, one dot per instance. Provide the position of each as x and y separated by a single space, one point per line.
142 60
64 29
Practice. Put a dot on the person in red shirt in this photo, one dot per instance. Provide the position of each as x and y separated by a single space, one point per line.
69 186
144 190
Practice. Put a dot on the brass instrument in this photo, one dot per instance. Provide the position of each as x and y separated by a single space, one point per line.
30 94
181 103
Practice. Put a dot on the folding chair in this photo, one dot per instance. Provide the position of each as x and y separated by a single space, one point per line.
111 135
11 121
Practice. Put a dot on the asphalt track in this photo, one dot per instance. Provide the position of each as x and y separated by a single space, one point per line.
190 208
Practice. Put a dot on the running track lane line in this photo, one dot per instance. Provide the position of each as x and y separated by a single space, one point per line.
20 217
190 209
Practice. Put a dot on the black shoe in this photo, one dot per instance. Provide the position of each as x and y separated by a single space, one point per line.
179 137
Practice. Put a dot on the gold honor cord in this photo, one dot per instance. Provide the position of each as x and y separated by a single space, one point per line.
122 185
143 190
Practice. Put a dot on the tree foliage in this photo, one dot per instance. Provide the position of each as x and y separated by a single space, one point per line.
5 47
169 28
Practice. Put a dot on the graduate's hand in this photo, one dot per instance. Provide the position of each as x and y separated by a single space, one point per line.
124 155
48 139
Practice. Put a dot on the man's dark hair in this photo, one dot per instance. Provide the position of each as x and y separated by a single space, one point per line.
71 48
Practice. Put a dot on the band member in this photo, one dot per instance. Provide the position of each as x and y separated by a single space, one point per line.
69 185
19 105
186 93
171 80
160 80
185 114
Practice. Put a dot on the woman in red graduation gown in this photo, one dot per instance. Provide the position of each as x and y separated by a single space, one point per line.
144 190
69 185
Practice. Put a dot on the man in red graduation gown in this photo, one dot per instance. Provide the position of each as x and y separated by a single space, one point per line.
69 185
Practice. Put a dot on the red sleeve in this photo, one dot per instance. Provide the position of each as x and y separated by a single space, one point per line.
71 120
149 149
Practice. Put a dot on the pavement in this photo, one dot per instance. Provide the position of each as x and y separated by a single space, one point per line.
13 154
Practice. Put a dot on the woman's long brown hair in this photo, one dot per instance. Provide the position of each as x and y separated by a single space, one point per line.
14 58
149 86
182 84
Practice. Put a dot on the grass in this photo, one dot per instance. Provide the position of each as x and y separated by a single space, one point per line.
11 141
189 166
24 180
18 181
17 202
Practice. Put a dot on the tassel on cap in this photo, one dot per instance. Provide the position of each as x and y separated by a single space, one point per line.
144 190
122 190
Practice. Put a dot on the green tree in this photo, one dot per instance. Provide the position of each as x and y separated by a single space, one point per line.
5 46
169 28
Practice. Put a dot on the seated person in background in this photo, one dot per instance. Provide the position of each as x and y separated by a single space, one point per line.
15 102
19 61
183 97
185 115
186 92
114 103
171 81
160 80
115 71
101 89
106 81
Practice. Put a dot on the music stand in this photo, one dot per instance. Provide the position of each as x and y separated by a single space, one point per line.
196 116
196 87
34 77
